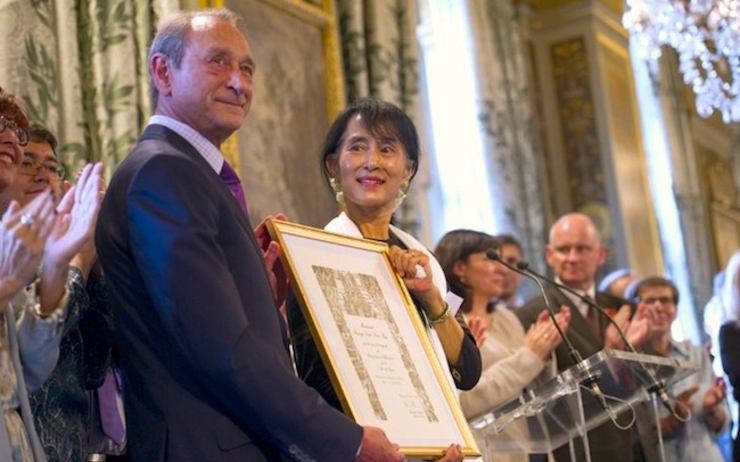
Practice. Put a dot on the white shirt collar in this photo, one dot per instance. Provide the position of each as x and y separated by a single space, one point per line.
205 148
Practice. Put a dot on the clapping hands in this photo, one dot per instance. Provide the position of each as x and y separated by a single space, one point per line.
637 330
77 214
543 337
477 326
23 232
670 423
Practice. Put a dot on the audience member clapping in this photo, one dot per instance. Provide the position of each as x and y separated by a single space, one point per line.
37 242
700 397
64 409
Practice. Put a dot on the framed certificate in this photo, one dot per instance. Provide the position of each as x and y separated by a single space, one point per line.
374 345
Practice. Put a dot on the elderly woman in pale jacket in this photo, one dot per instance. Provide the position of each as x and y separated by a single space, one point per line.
370 156
40 235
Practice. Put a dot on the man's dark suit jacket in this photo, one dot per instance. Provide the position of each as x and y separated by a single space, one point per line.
206 372
607 442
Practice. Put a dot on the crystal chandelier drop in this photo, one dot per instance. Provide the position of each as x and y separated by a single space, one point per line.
706 36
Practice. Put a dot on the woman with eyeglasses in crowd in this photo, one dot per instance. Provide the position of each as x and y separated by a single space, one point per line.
37 242
64 408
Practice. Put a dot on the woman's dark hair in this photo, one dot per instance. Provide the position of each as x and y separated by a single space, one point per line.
457 246
380 118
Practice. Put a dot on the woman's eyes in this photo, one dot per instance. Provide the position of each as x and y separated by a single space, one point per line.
386 149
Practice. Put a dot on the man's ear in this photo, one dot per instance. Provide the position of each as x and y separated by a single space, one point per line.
549 255
602 254
161 73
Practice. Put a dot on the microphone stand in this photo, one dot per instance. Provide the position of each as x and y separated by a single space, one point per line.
655 386
590 380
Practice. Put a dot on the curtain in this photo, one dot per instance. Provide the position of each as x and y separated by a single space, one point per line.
80 68
505 111
380 55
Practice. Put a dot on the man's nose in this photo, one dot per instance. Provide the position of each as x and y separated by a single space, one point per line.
239 82
42 176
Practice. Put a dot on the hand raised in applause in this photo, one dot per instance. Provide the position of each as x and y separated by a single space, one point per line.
712 408
77 214
375 447
543 337
23 232
670 424
714 396
86 258
477 326
637 329
271 253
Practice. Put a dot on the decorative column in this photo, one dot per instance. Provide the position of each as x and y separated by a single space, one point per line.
596 165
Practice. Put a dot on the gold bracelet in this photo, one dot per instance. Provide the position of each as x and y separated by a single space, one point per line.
442 317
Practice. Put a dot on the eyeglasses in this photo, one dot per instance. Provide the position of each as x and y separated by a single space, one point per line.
665 301
29 166
20 132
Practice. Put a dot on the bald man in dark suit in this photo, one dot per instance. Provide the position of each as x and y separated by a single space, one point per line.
574 253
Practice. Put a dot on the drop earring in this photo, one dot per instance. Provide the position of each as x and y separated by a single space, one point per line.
338 194
401 195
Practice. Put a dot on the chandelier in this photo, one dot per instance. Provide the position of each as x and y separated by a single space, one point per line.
706 36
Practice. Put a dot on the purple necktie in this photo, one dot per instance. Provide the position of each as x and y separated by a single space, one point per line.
110 418
229 176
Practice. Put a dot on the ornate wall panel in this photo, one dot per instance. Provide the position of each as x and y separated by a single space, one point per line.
724 212
280 141
597 164
582 154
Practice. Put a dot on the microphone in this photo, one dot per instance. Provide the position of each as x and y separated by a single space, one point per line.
591 379
654 385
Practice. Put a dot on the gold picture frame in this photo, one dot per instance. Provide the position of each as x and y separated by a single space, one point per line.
374 345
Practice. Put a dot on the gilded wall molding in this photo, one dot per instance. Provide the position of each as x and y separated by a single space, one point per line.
617 6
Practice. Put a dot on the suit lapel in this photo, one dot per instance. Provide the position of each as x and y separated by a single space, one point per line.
162 133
